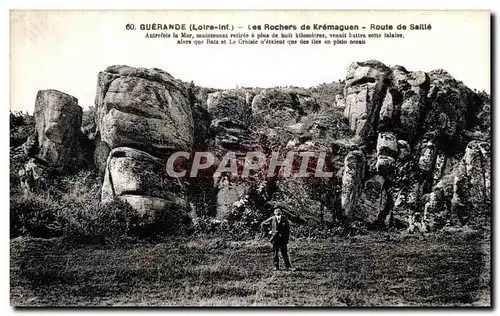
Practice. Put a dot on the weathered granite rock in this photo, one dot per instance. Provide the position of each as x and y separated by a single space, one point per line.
411 89
143 114
364 91
384 165
387 144
478 168
411 125
379 98
411 109
143 108
453 106
228 194
327 124
119 129
472 183
427 157
388 111
373 204
134 175
352 181
58 119
231 134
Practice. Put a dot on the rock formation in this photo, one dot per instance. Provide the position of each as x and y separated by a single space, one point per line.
142 116
472 182
55 147
352 181
143 108
393 135
428 115
58 119
139 178
407 148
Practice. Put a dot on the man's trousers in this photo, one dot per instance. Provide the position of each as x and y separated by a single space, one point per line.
284 254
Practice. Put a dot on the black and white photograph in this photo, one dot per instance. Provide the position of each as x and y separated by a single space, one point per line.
250 158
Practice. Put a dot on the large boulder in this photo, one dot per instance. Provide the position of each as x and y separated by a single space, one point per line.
381 99
409 90
58 119
140 179
326 125
143 108
142 114
366 85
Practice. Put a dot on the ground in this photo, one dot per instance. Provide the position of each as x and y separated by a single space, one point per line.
391 269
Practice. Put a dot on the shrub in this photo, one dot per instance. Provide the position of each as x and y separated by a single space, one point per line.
70 207
33 215
108 223
82 218
22 125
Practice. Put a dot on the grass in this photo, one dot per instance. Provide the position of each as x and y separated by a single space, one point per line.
445 269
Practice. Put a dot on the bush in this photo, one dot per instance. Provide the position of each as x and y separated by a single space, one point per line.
70 207
33 215
22 125
108 223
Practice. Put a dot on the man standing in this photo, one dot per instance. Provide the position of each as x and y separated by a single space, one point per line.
280 234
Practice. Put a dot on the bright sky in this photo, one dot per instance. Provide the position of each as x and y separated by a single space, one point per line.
65 50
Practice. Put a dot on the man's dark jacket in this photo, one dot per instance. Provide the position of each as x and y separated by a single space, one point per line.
280 232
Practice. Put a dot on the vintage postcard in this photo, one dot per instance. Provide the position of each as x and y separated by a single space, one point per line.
250 158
